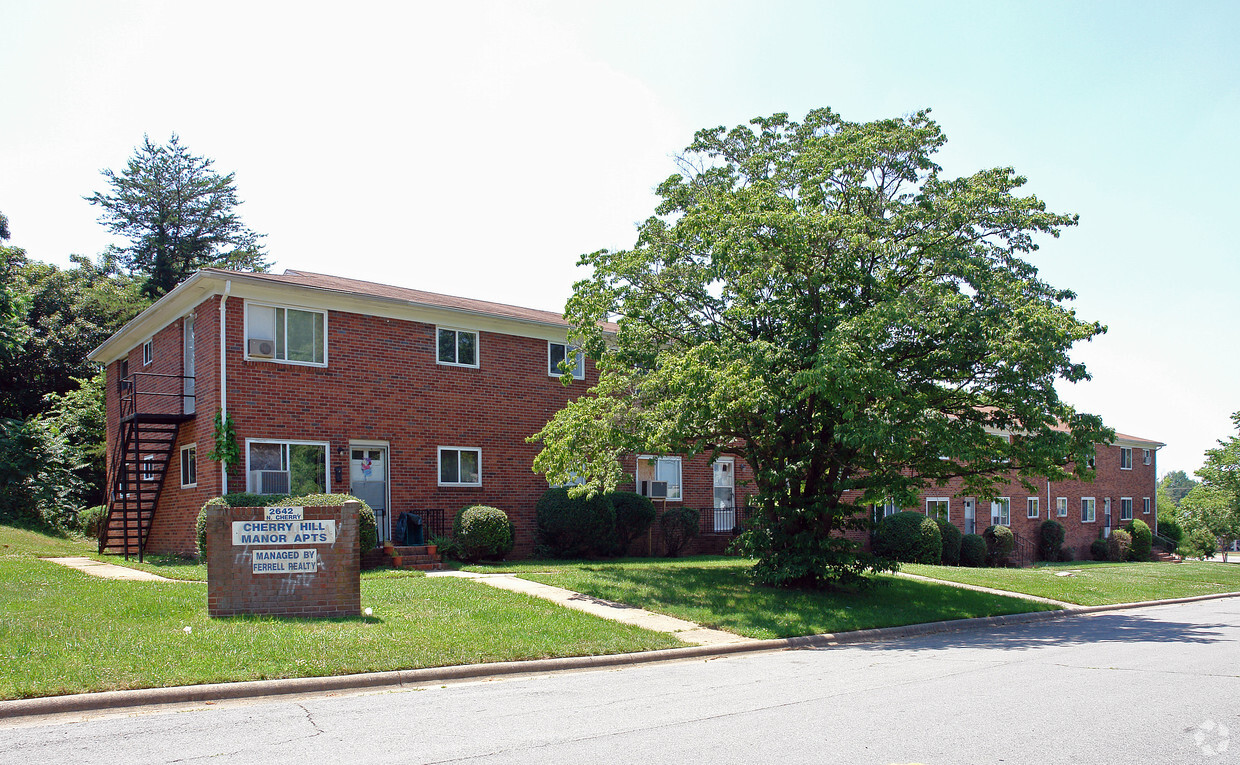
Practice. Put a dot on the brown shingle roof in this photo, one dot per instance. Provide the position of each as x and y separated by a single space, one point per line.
405 294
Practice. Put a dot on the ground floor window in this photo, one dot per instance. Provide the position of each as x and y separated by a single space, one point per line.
1001 511
653 473
189 466
1061 507
938 507
1031 507
286 467
460 466
148 468
1145 510
1089 510
1125 508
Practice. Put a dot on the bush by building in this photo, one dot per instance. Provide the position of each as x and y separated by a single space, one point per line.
1142 540
574 527
972 551
1000 543
481 532
951 537
679 526
1050 539
634 516
1118 545
909 537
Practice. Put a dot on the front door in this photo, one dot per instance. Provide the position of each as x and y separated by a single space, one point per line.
368 478
725 494
1106 529
188 366
970 515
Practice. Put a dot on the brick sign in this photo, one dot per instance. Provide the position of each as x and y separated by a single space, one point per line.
289 561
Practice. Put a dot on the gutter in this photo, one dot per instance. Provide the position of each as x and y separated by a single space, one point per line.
224 377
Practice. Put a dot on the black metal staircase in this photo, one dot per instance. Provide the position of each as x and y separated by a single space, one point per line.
152 408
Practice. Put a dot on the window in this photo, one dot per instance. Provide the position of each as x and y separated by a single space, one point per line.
1125 458
1092 462
1061 507
938 507
148 467
1125 508
1031 507
1001 511
460 466
651 470
1088 510
458 347
1147 456
189 466
889 507
148 352
285 334
1145 509
286 467
557 352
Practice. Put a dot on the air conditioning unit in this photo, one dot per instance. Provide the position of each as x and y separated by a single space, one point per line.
654 489
268 482
262 349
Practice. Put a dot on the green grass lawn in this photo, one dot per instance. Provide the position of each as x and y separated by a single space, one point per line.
62 631
716 592
1094 584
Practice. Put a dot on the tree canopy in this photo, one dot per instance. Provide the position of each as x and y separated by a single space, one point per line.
1176 484
1212 509
813 297
178 214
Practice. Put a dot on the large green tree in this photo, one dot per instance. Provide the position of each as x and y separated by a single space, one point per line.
1212 509
1176 484
815 298
178 214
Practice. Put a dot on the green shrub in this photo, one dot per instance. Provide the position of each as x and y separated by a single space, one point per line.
1142 540
1000 542
1198 542
951 537
1118 545
1067 554
680 526
482 533
1170 529
365 517
90 520
972 551
1098 549
909 537
634 515
1050 539
575 527
446 547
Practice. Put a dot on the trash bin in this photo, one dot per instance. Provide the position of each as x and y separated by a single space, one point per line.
409 529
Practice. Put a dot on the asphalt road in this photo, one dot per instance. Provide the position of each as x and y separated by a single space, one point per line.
1154 685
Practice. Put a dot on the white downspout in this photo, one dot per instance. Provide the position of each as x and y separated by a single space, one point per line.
224 378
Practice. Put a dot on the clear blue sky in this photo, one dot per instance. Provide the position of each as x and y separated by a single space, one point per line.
478 149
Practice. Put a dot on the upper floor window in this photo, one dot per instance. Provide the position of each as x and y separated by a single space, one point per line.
458 347
938 507
292 335
1031 507
1125 458
148 352
286 467
557 353
659 477
1147 456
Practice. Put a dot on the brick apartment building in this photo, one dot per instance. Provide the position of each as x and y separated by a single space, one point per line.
421 402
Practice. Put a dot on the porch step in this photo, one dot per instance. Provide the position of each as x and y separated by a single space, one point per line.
1162 556
414 557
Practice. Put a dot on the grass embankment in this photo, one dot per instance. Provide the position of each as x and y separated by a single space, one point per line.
62 631
717 592
1095 584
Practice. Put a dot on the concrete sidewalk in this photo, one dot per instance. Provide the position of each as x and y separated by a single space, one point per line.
109 570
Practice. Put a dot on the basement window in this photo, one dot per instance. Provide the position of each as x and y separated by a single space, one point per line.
189 466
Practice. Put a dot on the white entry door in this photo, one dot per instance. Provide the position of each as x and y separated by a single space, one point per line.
725 494
970 515
368 478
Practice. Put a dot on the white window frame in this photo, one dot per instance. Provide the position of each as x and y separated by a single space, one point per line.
1147 456
947 516
1032 508
1125 458
680 471
1093 510
245 345
327 464
1001 503
1122 500
148 352
148 468
193 464
456 347
1145 506
458 449
579 372
1061 507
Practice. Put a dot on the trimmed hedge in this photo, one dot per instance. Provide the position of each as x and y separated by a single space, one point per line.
365 517
680 526
1118 545
909 537
1098 549
952 537
481 532
1142 540
972 551
634 515
575 527
1050 540
1000 543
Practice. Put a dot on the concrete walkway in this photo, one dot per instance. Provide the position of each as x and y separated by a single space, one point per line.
109 570
991 590
686 631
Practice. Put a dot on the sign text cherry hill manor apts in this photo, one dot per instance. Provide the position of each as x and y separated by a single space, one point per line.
292 561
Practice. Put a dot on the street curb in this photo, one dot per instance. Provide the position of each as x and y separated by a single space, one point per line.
109 700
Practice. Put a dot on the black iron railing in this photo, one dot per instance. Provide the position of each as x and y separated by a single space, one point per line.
149 393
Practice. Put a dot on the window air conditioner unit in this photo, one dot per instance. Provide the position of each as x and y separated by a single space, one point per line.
655 489
262 349
269 482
